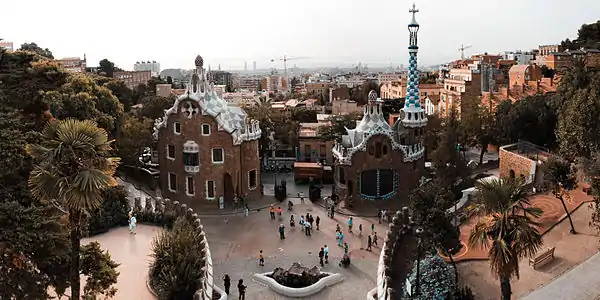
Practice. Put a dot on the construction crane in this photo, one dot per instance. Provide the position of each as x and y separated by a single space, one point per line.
285 60
462 50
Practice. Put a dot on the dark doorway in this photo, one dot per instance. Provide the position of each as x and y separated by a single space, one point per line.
511 174
228 189
349 188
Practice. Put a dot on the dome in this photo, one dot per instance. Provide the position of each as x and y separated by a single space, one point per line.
199 61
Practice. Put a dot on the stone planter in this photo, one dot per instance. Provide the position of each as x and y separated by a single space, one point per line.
324 282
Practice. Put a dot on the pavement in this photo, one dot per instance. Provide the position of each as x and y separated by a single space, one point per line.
580 283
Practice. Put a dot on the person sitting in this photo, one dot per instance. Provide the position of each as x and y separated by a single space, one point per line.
345 262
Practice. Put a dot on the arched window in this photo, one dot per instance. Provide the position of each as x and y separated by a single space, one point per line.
511 174
378 150
384 149
371 150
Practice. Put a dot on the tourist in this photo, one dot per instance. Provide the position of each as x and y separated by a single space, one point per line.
374 238
360 229
301 220
281 232
226 283
261 259
321 255
292 222
246 211
311 220
307 228
279 213
326 253
337 227
272 212
369 243
341 239
301 196
332 211
345 248
384 215
318 221
241 290
350 225
307 218
132 224
379 213
372 227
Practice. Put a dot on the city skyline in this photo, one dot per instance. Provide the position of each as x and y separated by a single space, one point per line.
336 34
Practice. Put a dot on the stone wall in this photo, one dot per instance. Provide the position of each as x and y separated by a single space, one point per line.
160 206
520 165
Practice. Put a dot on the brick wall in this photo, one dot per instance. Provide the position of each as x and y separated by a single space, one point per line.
315 144
512 161
238 162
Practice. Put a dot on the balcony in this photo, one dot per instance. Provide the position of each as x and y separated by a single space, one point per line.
192 169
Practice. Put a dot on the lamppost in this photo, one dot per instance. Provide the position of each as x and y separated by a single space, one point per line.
418 233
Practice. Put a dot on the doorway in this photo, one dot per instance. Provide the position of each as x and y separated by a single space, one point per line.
228 190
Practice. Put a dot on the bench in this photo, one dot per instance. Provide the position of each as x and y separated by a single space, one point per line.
542 258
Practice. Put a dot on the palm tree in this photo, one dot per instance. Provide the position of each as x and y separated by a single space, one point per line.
73 167
510 236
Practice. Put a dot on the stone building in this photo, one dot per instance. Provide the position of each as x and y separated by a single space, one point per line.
208 150
378 164
524 160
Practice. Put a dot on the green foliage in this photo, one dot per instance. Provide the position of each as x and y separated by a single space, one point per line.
122 92
591 169
33 47
338 125
437 280
588 37
360 94
136 134
176 270
559 175
154 106
151 85
303 115
100 271
112 213
262 113
450 165
477 123
106 67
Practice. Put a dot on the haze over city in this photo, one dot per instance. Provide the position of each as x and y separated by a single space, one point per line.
330 33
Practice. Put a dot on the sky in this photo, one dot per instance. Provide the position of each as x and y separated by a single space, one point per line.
323 32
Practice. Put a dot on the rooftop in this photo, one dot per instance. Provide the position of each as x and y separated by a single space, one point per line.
528 150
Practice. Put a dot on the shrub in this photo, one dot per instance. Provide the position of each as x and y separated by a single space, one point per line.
436 278
112 213
176 270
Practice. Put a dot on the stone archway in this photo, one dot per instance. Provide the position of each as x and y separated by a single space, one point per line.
511 174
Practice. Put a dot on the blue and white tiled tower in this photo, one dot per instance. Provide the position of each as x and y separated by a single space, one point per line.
413 115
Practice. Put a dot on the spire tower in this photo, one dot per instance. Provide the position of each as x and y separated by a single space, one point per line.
413 114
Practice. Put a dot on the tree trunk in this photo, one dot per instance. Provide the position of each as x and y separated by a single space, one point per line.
454 266
568 214
481 153
75 222
505 287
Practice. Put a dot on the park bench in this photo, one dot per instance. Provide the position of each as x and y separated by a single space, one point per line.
542 258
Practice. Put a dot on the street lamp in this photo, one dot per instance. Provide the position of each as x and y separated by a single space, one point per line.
418 234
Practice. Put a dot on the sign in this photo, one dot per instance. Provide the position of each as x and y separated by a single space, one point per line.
221 203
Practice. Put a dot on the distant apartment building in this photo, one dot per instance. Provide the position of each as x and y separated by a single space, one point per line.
164 90
312 146
522 58
73 64
151 66
350 81
388 77
219 77
344 107
339 93
241 99
459 81
317 88
393 90
252 83
273 83
560 61
7 45
133 78
548 49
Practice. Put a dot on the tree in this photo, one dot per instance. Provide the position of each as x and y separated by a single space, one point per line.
262 113
547 72
153 107
33 47
560 178
169 80
151 85
176 270
73 167
588 37
477 123
507 228
449 165
100 271
136 134
432 133
107 67
112 213
337 126
436 279
591 169
122 92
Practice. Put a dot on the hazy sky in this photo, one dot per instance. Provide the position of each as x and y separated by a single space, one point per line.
330 32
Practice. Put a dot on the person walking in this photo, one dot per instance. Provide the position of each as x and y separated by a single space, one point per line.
246 211
292 222
301 196
226 283
311 220
379 213
326 253
321 255
281 232
241 290
301 220
350 225
384 215
337 227
360 229
132 224
374 238
307 227
341 239
261 259
272 212
346 248
332 211
369 243
372 228
279 211
318 220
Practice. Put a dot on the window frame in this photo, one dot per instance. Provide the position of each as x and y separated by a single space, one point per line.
169 152
212 155
175 128
255 179
214 190
202 129
187 186
169 182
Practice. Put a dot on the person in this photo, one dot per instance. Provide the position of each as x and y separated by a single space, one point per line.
301 196
345 248
350 225
281 232
246 211
374 238
311 220
384 215
369 243
332 211
337 227
132 224
241 290
261 259
372 227
318 220
301 220
226 283
341 240
307 228
345 262
379 215
279 213
272 212
321 255
292 221
360 229
326 253
290 205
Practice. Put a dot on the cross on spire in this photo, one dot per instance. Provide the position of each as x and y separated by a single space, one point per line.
414 10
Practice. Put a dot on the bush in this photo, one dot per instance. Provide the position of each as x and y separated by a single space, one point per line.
176 271
436 279
112 213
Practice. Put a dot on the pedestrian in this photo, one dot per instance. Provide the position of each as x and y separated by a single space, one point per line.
241 290
311 220
374 238
341 240
379 213
337 227
318 221
360 229
279 213
326 252
369 243
307 228
384 215
372 227
301 220
246 211
292 222
307 218
226 283
261 259
350 225
272 212
281 232
301 196
345 248
321 255
332 211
